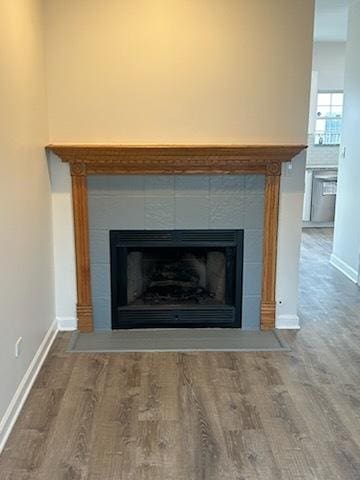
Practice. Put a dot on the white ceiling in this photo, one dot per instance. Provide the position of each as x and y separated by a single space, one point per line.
331 20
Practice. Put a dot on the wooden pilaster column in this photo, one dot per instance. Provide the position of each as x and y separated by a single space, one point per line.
82 253
272 193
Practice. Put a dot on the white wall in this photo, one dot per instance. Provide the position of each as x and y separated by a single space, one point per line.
328 74
313 102
26 272
346 248
182 72
290 225
64 244
329 62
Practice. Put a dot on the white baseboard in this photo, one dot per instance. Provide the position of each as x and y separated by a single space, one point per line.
344 268
287 322
310 224
66 323
18 400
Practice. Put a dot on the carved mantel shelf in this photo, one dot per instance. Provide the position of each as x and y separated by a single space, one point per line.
174 159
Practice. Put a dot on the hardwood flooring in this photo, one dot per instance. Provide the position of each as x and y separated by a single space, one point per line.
206 416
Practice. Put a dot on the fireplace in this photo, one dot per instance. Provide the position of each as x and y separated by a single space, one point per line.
117 160
176 278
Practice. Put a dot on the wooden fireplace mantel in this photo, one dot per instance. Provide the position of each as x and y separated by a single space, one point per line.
167 160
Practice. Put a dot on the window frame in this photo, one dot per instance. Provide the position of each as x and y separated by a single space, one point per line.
317 133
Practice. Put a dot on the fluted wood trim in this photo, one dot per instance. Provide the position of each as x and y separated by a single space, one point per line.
268 305
81 227
85 317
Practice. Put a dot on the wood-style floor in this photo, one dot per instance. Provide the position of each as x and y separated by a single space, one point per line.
208 416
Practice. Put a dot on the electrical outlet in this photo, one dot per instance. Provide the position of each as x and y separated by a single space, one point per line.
18 347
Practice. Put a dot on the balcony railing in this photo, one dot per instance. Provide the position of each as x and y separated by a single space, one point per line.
327 138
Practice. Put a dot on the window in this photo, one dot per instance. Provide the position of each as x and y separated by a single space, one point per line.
328 118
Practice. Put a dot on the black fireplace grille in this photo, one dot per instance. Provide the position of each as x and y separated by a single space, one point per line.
176 278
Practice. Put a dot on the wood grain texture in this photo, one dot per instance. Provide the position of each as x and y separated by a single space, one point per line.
268 304
172 159
206 416
182 168
82 249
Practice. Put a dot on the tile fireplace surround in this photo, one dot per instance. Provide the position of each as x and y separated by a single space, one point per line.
181 202
158 177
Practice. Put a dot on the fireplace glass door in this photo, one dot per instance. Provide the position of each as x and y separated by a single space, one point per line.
178 278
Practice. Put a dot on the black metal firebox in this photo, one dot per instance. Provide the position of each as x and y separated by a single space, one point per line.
176 278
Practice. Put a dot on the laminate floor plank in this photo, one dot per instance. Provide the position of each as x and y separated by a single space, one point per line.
206 415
